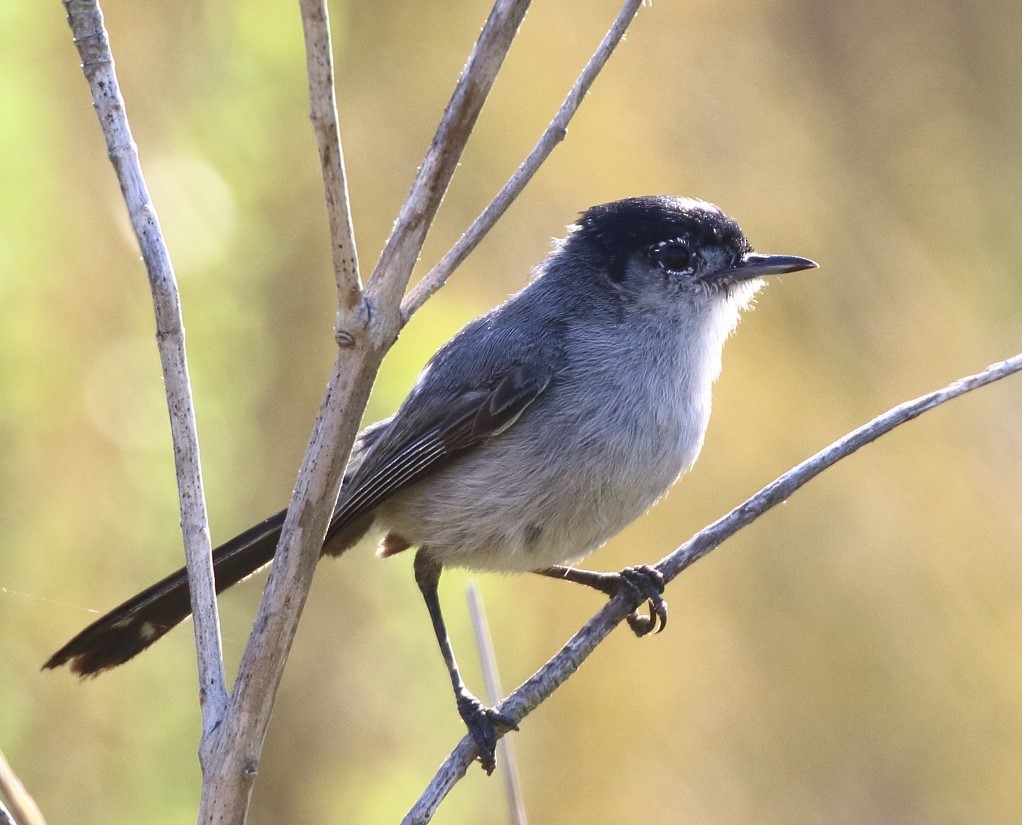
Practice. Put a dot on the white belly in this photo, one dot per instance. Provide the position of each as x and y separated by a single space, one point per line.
559 483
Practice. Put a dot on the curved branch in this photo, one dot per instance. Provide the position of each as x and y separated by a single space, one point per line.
535 690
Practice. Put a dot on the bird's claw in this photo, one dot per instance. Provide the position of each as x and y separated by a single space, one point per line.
483 724
644 583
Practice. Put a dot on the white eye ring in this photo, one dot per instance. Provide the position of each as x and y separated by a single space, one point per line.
675 256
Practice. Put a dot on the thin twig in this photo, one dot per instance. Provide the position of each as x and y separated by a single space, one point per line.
554 134
23 811
323 114
86 21
535 690
394 269
491 678
226 791
781 489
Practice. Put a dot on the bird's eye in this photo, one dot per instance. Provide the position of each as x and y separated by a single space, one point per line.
673 256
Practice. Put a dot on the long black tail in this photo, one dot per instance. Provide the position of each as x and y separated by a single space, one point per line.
129 629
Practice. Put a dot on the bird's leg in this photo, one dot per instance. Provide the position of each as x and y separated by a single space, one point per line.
482 722
642 583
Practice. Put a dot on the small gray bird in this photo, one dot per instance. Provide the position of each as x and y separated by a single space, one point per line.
539 431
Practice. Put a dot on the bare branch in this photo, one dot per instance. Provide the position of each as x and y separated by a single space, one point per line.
86 21
227 789
554 134
390 278
323 113
23 811
781 489
371 328
535 690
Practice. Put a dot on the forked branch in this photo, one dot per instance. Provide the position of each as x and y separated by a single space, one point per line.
370 331
368 323
390 279
554 134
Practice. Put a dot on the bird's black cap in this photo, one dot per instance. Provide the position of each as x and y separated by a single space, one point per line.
630 225
616 231
612 233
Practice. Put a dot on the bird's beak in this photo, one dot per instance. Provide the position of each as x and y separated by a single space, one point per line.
754 265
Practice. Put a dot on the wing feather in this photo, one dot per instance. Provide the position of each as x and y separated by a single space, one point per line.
476 417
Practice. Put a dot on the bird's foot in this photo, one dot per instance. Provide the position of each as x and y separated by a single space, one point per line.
643 583
483 724
639 584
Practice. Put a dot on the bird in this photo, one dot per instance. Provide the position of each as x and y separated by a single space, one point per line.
539 431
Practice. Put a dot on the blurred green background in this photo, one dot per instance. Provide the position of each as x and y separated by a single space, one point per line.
854 657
